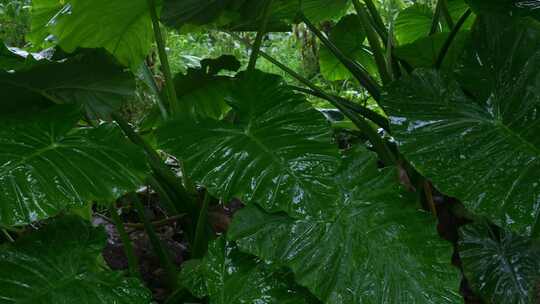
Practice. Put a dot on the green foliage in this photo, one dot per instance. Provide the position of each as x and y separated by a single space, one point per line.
502 266
14 21
225 268
59 264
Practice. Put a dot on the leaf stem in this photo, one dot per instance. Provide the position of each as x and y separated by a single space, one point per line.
358 71
171 91
377 19
133 262
450 39
162 104
161 252
260 35
8 236
373 42
378 143
200 243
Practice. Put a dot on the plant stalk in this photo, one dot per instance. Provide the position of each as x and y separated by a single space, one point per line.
358 71
450 39
162 104
374 42
377 20
133 262
378 143
200 243
159 249
260 35
163 59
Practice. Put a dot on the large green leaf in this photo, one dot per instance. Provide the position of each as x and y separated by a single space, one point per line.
59 264
502 267
91 80
122 27
348 35
246 14
377 249
424 52
228 276
279 154
47 165
485 152
507 7
413 23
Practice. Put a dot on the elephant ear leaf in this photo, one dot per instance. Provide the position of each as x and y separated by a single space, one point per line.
279 153
377 249
501 266
479 146
59 264
226 275
91 79
122 27
47 164
512 8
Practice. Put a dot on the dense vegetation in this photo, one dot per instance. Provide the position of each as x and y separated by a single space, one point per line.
270 151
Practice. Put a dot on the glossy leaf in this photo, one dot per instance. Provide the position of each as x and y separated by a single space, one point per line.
378 248
348 36
58 264
503 267
122 27
279 154
485 152
507 7
48 165
413 23
227 276
91 80
246 14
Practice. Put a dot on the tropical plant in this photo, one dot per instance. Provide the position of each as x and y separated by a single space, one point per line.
431 197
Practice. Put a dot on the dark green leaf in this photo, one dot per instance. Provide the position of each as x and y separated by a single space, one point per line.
507 7
58 264
91 80
348 36
485 152
377 249
228 276
47 165
504 268
280 153
122 27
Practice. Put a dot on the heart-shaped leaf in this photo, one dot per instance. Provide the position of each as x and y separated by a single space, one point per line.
279 154
59 264
227 275
47 165
501 266
377 249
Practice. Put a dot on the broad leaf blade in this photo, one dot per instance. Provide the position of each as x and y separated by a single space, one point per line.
501 267
47 165
485 152
58 264
122 27
511 8
279 155
413 23
227 276
377 249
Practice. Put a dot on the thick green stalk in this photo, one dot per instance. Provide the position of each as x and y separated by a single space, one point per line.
163 59
201 242
133 262
378 143
377 20
8 236
374 42
155 161
159 249
450 39
358 71
375 117
446 13
151 82
260 35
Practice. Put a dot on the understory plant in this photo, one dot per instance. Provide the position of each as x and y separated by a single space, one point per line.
431 196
